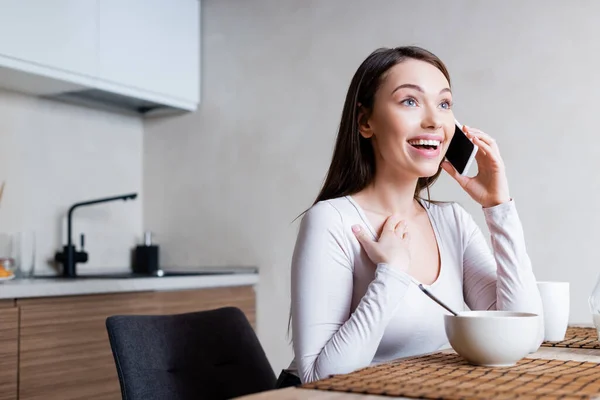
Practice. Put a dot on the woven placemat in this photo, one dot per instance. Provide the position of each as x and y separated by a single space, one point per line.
448 376
577 338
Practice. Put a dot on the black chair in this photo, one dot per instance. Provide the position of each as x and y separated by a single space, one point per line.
202 355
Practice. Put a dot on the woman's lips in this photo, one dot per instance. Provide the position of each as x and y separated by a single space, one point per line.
426 153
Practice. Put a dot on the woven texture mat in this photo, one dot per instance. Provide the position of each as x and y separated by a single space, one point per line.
448 376
577 338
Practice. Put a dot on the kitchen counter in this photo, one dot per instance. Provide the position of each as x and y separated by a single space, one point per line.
50 287
53 331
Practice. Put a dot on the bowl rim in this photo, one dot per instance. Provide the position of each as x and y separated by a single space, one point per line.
492 314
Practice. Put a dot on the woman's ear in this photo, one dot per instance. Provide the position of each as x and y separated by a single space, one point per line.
364 127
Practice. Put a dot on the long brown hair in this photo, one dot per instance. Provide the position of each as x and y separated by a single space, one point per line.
353 164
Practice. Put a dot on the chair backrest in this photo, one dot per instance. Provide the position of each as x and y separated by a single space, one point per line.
202 355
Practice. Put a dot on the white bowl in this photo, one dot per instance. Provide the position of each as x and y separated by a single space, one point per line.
492 338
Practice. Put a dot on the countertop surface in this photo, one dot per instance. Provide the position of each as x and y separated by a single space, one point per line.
200 278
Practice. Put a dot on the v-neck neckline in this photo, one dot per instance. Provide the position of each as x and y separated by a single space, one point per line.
432 222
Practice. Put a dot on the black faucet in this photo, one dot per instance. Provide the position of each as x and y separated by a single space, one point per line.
69 256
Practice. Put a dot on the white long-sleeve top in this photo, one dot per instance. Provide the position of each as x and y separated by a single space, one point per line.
348 313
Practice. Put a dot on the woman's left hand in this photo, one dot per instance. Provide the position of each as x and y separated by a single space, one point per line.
490 186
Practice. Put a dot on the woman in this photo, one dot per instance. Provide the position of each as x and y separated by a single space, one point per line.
370 238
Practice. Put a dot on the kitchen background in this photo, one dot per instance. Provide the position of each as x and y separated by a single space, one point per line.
222 186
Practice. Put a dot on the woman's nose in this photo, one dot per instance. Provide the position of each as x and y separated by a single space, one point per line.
431 120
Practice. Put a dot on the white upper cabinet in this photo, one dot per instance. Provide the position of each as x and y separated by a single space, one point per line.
59 34
139 56
151 45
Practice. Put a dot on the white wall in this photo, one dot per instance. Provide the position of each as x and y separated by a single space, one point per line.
53 155
224 184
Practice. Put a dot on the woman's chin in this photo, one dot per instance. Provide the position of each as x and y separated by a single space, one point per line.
428 171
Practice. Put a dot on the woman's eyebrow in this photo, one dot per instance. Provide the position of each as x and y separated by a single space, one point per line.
418 88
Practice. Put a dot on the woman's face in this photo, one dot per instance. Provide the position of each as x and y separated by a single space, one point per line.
412 122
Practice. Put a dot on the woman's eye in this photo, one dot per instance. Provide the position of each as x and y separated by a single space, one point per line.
409 102
446 105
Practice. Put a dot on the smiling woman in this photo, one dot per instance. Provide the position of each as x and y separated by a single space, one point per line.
370 239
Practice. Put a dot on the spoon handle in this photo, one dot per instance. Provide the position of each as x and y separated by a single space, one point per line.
432 297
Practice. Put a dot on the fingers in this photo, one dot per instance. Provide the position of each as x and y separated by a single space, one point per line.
391 248
449 168
482 153
400 228
406 236
363 238
483 146
490 141
393 225
390 224
484 141
488 148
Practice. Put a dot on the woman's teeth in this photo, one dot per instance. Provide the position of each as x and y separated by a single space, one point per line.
425 143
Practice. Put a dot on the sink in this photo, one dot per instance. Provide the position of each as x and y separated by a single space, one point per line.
166 273
130 275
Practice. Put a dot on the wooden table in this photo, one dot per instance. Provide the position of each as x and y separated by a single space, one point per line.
549 353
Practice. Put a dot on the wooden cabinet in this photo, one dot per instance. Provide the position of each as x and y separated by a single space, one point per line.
64 350
9 345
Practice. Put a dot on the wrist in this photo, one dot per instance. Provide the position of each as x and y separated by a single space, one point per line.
389 270
496 201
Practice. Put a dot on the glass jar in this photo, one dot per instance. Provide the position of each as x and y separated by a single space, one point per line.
8 255
17 254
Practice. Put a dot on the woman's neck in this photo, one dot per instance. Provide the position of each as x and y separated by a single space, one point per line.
389 196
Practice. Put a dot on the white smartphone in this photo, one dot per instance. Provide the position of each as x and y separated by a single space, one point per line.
461 151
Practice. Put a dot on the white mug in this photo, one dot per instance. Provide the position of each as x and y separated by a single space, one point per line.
556 303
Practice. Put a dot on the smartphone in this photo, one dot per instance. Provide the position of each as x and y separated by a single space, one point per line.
461 151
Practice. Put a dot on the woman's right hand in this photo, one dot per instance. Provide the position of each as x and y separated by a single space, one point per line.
392 248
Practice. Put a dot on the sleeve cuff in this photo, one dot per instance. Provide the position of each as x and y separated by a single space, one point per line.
498 214
402 277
